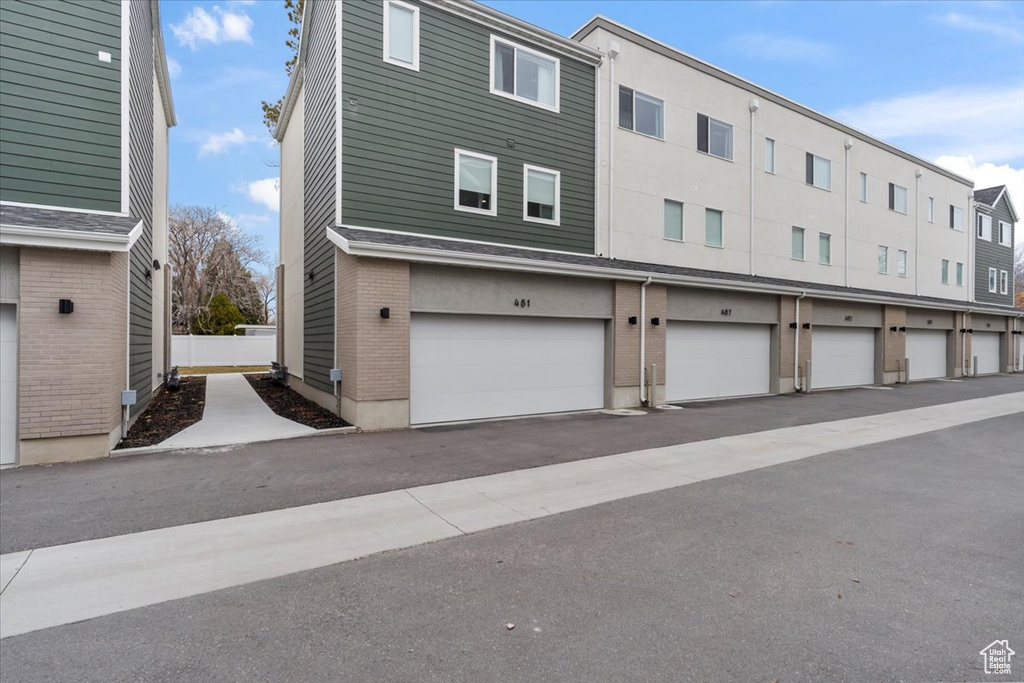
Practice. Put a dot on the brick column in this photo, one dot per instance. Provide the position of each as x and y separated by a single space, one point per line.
787 339
626 346
894 348
657 307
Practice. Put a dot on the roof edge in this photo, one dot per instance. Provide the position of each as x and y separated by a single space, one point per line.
163 78
294 82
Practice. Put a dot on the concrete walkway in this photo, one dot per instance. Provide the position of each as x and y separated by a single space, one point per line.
63 584
234 414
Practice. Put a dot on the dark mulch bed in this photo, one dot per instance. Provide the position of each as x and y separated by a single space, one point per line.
292 405
168 414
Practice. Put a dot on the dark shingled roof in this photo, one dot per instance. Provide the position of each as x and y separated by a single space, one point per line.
29 217
989 195
357 236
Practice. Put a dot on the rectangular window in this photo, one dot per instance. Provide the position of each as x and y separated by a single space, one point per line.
714 137
1004 282
769 155
673 220
524 74
931 209
476 177
798 243
945 271
901 263
641 113
402 34
541 195
819 171
712 228
897 198
863 187
992 280
883 260
959 274
825 249
956 217
1004 233
984 227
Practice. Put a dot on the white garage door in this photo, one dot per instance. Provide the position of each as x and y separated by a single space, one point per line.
926 350
842 357
472 367
985 346
8 384
711 360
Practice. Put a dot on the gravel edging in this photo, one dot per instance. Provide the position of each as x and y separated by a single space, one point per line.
167 414
291 405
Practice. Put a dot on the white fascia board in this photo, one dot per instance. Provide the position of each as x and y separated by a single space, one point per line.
162 76
294 83
23 236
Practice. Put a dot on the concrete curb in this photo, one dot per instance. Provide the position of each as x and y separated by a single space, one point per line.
145 450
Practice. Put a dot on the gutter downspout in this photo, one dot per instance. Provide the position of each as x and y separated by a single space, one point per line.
754 106
796 346
597 162
613 52
846 218
963 342
643 341
917 231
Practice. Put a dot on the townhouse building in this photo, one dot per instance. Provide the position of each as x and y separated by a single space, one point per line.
83 224
994 223
482 219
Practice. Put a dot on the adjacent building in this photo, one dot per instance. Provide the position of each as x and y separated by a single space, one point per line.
482 219
995 218
83 224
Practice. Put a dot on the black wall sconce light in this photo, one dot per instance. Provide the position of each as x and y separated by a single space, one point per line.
66 306
632 320
312 274
903 329
807 326
792 326
655 321
893 328
385 313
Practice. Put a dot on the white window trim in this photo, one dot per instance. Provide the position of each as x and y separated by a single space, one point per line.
721 213
803 244
1008 233
766 141
510 96
981 227
1004 282
931 209
944 280
959 274
558 194
415 66
815 157
906 266
906 199
993 281
829 262
650 97
963 219
863 187
682 221
493 211
879 253
711 119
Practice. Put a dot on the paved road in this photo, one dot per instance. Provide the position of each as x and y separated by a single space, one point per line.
42 506
897 561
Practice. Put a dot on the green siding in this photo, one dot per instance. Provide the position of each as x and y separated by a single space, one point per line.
60 126
993 255
400 129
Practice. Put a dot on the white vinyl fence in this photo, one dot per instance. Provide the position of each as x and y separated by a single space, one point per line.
188 350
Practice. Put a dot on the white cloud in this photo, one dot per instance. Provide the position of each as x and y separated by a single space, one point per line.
220 27
173 67
1006 30
989 175
783 48
266 192
219 142
979 121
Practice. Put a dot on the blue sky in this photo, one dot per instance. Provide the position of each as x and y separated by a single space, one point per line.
943 80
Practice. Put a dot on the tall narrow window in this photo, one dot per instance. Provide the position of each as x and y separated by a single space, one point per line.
476 177
769 155
524 74
931 209
541 195
402 34
901 263
956 217
897 198
714 137
945 271
798 243
1004 233
984 227
673 220
641 113
1004 282
819 171
992 280
863 187
959 274
825 249
712 228
883 260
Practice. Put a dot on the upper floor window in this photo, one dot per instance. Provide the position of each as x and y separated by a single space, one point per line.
819 171
945 271
863 187
798 243
931 209
956 217
402 34
541 195
959 274
883 260
901 263
476 178
1004 282
984 227
673 220
769 155
714 137
524 74
825 249
897 198
1004 233
712 228
992 280
641 113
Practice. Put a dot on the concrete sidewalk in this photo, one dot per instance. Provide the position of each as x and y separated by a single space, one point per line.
63 584
234 414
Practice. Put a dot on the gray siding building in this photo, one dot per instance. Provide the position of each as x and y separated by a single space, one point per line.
994 222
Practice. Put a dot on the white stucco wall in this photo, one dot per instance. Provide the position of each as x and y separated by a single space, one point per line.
160 210
291 237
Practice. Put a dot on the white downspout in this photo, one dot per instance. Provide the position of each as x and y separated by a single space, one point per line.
597 162
754 106
613 52
917 231
796 345
963 343
643 341
846 218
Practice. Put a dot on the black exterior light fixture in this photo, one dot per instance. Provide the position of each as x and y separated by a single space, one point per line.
655 321
893 328
632 320
385 313
66 306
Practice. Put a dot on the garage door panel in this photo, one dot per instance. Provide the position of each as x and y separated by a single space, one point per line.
985 346
465 367
927 352
842 357
715 360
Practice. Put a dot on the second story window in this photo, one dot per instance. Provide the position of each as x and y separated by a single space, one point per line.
959 274
540 195
769 155
402 34
819 171
992 280
931 209
984 227
673 220
956 217
524 74
945 271
1004 282
715 137
1004 233
476 177
712 228
863 187
897 198
825 249
901 263
883 259
641 113
798 243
